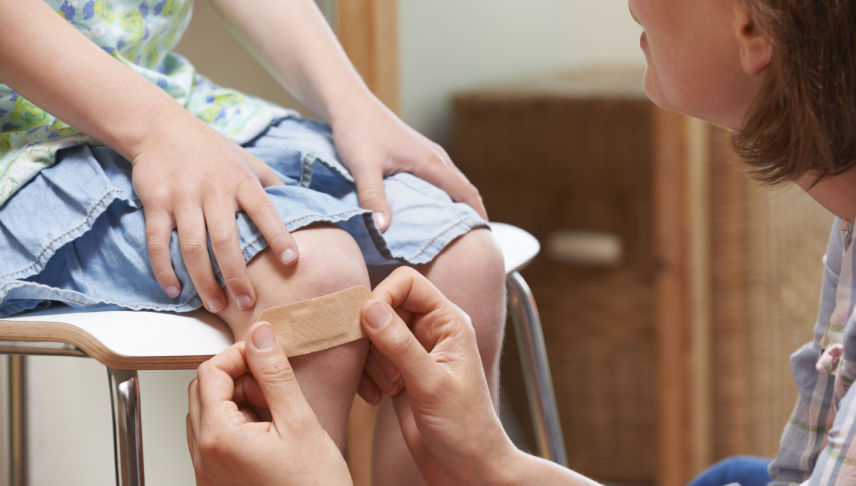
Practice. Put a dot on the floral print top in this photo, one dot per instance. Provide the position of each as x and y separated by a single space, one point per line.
141 34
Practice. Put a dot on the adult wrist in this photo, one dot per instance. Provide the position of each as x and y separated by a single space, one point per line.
503 467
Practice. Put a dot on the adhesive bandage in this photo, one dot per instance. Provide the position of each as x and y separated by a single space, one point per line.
320 323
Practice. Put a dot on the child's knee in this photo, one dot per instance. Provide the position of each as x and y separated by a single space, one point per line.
471 272
330 260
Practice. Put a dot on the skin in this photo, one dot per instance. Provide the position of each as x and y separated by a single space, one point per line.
706 59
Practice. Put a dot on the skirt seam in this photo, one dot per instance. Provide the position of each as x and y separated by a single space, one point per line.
50 244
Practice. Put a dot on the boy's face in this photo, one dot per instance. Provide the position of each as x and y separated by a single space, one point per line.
693 52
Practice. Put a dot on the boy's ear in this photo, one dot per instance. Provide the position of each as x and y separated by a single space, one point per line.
756 47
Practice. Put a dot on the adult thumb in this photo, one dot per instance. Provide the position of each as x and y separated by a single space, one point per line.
391 336
272 371
372 196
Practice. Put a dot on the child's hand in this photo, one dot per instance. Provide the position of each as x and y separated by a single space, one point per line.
248 422
374 143
191 178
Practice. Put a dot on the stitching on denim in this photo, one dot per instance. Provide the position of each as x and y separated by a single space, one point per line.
72 230
349 213
312 157
307 170
442 233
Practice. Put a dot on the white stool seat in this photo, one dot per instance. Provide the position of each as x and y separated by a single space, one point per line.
140 340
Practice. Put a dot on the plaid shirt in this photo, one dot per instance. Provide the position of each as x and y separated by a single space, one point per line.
818 445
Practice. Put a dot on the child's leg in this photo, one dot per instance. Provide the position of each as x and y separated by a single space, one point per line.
330 260
471 273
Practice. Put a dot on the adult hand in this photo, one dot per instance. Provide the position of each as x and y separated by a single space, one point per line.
444 407
257 429
373 143
191 178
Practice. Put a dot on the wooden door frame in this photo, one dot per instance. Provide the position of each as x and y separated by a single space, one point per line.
368 31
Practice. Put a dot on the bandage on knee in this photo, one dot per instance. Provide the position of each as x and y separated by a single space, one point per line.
320 323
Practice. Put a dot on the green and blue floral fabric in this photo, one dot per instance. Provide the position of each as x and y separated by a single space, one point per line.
141 34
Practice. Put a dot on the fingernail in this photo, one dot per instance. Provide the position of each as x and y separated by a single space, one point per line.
244 302
379 219
172 292
377 315
215 305
288 256
264 337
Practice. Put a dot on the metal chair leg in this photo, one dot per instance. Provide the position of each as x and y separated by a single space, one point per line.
127 428
536 370
18 420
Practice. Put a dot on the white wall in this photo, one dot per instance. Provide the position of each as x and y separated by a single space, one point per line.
451 45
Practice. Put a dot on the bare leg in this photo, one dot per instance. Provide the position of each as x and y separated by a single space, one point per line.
471 273
330 260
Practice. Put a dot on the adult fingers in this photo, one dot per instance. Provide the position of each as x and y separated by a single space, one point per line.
386 378
194 408
371 194
275 377
367 389
408 291
193 240
216 383
223 233
247 391
393 338
159 226
258 206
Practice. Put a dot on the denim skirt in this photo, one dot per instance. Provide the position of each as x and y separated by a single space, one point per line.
75 234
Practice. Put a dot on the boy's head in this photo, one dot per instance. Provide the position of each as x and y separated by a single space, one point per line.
780 73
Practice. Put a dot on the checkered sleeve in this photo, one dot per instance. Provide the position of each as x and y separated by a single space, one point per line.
805 433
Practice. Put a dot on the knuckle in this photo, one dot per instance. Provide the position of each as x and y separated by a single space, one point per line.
262 208
400 344
221 237
202 372
158 197
371 195
155 241
210 444
406 272
194 246
276 372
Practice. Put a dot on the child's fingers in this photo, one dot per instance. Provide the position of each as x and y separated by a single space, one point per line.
159 226
223 233
258 206
371 193
193 240
442 172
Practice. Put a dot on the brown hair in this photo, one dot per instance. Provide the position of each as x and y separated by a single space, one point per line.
803 121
